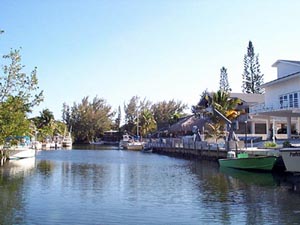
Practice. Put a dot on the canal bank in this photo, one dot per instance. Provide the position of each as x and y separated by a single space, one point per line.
212 152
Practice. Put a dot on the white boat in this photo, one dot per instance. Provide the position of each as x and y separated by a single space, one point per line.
55 145
20 152
36 145
135 145
46 145
67 141
98 142
125 140
291 159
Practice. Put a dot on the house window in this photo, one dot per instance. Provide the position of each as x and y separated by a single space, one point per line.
296 103
285 101
291 100
281 101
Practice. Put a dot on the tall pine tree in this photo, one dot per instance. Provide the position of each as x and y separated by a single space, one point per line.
252 76
224 84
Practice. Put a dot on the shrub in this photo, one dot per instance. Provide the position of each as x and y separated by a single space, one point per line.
286 144
270 144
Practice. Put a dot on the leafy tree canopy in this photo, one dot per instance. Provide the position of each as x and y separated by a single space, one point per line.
88 120
166 112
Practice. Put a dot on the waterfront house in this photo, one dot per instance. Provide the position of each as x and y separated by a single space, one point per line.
253 125
281 103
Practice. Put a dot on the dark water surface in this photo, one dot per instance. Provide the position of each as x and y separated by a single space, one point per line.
109 186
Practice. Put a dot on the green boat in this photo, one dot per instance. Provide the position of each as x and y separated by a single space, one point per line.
246 162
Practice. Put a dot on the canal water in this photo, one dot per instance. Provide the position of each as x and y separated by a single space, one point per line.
110 186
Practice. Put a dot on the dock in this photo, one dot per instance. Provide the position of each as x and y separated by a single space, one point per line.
205 150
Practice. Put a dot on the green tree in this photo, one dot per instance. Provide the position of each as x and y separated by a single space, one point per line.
164 112
19 93
46 125
224 84
147 122
14 82
223 103
226 105
133 113
252 76
13 120
88 120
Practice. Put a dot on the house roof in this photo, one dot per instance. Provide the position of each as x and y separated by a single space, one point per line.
249 98
288 77
187 123
297 63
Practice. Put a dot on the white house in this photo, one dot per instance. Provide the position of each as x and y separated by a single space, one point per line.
281 106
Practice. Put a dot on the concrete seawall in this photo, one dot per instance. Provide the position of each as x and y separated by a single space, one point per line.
208 154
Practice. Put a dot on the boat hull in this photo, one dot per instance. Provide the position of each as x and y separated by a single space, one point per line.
134 146
251 163
291 159
21 154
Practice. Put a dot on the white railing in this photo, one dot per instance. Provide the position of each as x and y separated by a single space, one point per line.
259 108
184 144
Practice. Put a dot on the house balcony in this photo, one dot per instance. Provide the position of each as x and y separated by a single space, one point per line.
280 110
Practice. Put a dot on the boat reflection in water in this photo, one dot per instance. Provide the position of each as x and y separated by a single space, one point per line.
248 177
19 167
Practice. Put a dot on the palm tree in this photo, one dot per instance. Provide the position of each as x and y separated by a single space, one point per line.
147 122
46 118
225 105
215 131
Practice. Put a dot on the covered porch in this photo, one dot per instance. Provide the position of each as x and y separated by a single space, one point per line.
280 123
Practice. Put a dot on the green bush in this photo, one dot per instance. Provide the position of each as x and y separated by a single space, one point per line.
270 144
286 144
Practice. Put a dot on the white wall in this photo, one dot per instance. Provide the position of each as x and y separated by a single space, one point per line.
284 69
273 92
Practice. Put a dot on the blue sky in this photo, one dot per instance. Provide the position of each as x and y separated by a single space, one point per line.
158 49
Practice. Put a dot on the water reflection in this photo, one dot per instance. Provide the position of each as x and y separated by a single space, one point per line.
248 177
246 197
12 194
123 187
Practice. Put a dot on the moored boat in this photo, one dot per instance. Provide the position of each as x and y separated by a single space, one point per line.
67 141
246 162
135 145
23 149
20 153
291 159
124 142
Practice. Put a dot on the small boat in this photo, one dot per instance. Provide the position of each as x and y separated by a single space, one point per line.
135 145
20 153
291 159
97 142
125 140
245 162
67 141
147 148
23 149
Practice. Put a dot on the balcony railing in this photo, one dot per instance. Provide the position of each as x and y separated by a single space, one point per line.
259 108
